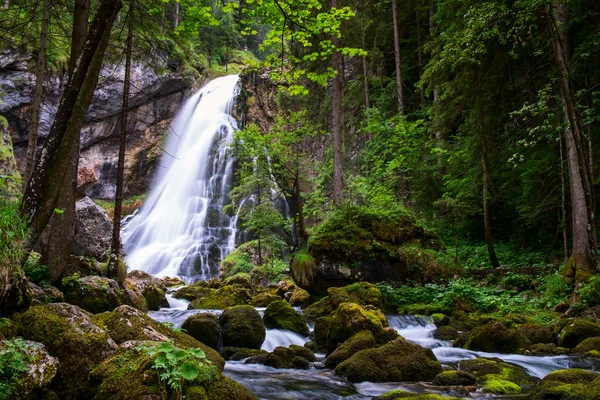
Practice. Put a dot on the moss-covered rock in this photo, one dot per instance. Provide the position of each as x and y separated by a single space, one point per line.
454 378
285 357
221 388
264 299
194 291
485 369
300 297
242 326
241 279
446 333
69 334
95 294
237 353
18 295
494 337
8 163
570 384
152 289
500 386
224 297
576 331
126 323
361 341
204 327
537 333
399 394
348 320
280 315
397 361
362 293
40 366
589 344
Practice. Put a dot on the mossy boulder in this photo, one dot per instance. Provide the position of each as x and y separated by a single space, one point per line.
447 333
589 344
400 394
280 315
576 331
204 327
18 295
69 334
485 369
349 319
361 341
241 279
500 386
237 353
569 384
396 361
95 294
264 299
129 374
362 293
152 289
45 294
126 323
300 297
242 326
537 333
40 366
454 378
8 162
194 291
224 297
285 357
494 337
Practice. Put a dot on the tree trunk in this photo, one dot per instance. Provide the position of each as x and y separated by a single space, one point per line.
115 248
38 94
336 122
6 4
487 176
398 57
81 13
439 137
563 189
43 188
420 56
176 15
366 76
582 264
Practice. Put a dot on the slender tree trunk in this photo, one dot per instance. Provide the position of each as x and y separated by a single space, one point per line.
420 56
439 137
582 264
81 14
336 122
43 188
38 94
300 207
398 57
115 251
563 187
176 16
487 176
366 76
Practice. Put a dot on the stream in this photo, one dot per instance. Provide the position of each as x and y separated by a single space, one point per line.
320 382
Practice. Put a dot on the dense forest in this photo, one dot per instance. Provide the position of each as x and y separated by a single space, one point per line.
430 158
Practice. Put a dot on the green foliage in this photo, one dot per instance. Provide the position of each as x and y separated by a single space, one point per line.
303 266
37 273
177 367
13 363
12 231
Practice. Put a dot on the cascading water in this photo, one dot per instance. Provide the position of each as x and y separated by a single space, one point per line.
181 230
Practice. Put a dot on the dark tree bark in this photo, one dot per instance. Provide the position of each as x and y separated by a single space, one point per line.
439 137
176 15
336 122
420 56
487 175
398 57
115 253
43 188
81 14
582 263
563 187
38 95
366 76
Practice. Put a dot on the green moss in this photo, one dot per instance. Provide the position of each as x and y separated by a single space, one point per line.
454 378
399 394
361 341
280 315
303 268
362 293
300 297
194 291
224 297
350 319
493 368
494 337
499 386
264 299
241 279
397 361
95 294
293 356
571 384
537 333
576 331
204 327
446 333
242 326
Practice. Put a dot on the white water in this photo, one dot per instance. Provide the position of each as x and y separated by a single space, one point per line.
181 229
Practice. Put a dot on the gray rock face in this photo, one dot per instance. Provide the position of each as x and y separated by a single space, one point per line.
93 230
154 100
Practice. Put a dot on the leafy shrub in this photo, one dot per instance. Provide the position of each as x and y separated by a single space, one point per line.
37 273
303 267
589 293
13 363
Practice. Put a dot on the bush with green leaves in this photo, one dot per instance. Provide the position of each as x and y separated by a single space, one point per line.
14 361
177 367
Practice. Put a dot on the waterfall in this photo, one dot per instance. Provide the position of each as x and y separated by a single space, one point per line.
181 230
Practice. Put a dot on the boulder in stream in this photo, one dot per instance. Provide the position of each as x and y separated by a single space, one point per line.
454 378
285 357
576 331
242 326
568 384
494 337
361 341
204 327
486 369
95 294
280 315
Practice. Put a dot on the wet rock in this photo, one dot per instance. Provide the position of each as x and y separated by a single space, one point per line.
440 320
300 297
204 327
149 287
264 299
362 293
397 361
500 387
577 331
361 341
280 315
589 344
454 378
241 279
400 394
93 230
95 294
570 384
446 333
41 368
494 337
485 369
237 353
537 333
224 297
69 334
242 326
285 357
